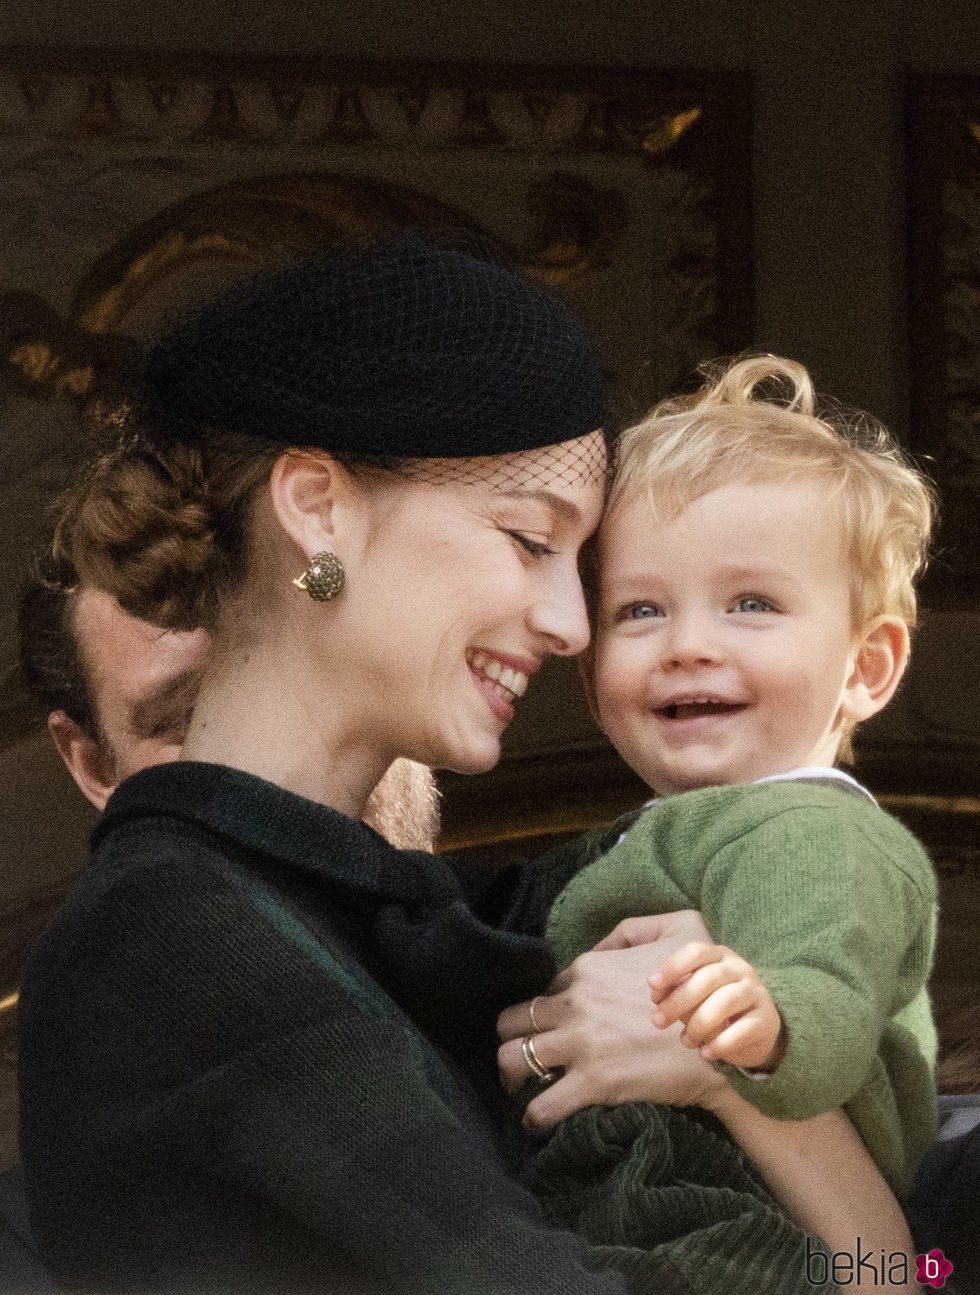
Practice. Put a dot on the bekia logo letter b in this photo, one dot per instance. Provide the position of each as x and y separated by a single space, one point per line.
932 1269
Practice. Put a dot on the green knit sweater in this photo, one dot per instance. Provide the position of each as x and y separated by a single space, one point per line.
834 903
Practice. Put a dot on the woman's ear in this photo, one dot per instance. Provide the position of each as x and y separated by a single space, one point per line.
880 657
306 487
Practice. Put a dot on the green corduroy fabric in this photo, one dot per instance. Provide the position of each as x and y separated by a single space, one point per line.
670 1202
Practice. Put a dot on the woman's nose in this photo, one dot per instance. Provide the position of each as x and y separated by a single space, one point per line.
560 616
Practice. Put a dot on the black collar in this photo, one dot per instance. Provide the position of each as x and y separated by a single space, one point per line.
260 816
448 969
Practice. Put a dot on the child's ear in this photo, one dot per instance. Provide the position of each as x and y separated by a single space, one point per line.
880 657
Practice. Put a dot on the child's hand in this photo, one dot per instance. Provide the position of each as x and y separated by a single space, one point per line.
726 1009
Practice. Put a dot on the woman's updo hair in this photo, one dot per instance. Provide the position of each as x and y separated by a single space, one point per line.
385 356
165 530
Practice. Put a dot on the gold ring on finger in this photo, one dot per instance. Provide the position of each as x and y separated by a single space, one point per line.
541 1073
535 1027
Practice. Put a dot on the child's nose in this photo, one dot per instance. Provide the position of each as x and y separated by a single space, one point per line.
690 640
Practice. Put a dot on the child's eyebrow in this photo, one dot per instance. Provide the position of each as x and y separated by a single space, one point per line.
760 571
643 581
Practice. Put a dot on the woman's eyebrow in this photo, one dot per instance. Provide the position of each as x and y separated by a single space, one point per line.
564 508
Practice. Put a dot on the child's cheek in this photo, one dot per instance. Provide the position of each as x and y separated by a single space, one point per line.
590 670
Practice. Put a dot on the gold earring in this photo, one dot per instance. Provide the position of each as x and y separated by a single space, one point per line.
323 579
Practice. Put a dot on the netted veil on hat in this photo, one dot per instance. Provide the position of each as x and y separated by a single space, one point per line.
402 349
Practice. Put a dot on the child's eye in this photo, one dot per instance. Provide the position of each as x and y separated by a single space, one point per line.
754 603
639 612
534 547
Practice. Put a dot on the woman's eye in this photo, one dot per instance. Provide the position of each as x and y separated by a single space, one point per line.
753 603
534 547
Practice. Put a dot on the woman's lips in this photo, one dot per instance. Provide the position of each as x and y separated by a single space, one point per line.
498 698
508 675
501 682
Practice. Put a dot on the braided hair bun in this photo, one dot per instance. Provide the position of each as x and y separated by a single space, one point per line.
161 530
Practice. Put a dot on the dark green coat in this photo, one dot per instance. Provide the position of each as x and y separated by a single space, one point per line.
258 1055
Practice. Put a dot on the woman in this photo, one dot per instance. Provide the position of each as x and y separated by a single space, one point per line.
257 1047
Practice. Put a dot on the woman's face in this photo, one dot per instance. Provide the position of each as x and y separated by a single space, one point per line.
461 591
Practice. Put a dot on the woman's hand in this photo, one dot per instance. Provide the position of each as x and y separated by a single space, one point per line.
674 929
595 1025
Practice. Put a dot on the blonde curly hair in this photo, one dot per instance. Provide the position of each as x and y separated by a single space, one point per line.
757 421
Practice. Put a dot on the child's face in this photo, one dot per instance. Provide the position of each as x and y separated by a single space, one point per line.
724 649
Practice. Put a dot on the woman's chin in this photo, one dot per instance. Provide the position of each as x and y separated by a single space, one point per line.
474 760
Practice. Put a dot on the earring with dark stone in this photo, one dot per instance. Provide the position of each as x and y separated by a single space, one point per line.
323 579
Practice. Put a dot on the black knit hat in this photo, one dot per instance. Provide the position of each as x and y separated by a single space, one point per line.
403 349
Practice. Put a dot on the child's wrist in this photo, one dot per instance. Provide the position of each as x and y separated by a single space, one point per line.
777 1052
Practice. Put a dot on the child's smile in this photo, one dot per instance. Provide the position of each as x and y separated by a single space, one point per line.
684 709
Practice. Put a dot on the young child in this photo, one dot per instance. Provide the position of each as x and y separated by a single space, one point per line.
753 605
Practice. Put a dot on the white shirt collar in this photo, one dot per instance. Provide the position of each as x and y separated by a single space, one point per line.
803 774
818 771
